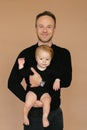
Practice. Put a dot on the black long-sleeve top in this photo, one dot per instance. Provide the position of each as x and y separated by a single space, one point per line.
63 70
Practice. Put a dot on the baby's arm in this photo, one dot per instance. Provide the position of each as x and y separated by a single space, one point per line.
56 84
21 62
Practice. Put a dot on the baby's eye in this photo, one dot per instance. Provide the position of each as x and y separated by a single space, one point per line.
41 58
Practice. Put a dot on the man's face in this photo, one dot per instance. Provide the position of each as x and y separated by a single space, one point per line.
45 29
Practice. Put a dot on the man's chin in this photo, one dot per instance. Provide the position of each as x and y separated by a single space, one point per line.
45 40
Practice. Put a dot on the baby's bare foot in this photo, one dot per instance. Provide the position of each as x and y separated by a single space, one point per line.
45 122
26 121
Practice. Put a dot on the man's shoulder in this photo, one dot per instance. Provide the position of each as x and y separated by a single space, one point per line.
29 49
59 48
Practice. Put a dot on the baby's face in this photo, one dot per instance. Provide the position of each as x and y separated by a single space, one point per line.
43 59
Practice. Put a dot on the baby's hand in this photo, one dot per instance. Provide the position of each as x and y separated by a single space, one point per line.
21 62
56 85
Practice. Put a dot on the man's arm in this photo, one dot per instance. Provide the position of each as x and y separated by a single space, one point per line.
64 72
14 82
66 75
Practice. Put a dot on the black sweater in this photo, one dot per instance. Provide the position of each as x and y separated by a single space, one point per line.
63 70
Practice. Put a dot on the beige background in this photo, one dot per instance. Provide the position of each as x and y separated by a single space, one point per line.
17 32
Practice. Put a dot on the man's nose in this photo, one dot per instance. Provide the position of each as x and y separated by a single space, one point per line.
44 29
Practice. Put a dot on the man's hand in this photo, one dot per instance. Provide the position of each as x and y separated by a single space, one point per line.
35 79
56 85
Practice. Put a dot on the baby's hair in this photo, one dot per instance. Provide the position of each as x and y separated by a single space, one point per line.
46 49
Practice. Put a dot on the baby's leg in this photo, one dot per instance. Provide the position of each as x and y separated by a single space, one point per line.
30 100
46 100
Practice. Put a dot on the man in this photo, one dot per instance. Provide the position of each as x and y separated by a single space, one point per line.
45 25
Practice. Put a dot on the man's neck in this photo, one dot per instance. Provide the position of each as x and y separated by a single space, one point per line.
47 43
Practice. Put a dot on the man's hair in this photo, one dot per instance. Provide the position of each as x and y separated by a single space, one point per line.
48 13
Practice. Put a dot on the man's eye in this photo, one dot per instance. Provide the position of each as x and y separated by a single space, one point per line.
50 26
